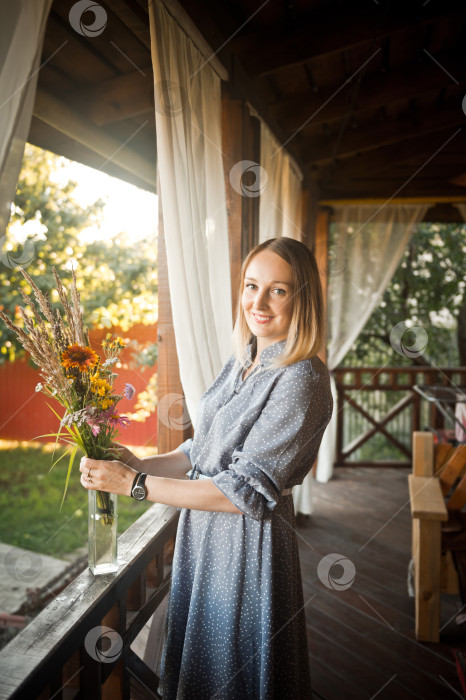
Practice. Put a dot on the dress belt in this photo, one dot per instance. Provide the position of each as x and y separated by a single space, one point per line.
285 492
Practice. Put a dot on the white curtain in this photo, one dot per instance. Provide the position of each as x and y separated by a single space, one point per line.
22 29
280 200
368 244
192 191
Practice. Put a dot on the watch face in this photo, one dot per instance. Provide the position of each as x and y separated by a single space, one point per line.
139 493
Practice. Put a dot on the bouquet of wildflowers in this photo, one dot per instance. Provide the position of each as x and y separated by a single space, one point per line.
74 375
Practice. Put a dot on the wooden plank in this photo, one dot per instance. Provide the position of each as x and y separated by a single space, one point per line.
452 470
60 116
321 244
426 500
375 91
232 125
169 381
423 453
427 579
372 134
119 98
319 34
458 497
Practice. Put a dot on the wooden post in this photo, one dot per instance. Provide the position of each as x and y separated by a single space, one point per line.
240 141
309 210
321 243
169 381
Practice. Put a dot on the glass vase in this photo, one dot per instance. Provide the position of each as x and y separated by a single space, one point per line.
103 519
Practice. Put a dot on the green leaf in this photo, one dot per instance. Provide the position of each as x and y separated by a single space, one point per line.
70 466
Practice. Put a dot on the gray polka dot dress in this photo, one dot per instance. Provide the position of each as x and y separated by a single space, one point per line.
235 627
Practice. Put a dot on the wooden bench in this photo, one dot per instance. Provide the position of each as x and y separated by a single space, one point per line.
437 491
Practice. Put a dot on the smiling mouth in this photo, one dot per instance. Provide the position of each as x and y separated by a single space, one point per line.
259 318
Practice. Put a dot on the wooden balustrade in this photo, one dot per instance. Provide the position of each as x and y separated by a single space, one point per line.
49 658
354 381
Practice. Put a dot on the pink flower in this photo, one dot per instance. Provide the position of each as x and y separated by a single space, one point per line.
129 391
110 417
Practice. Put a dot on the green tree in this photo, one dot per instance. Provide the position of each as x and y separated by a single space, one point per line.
428 290
117 279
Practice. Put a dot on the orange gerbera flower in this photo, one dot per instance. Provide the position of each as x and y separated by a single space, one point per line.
78 356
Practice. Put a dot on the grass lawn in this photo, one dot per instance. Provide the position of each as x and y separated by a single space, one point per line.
30 497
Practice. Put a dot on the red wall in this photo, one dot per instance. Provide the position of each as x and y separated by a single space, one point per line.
24 413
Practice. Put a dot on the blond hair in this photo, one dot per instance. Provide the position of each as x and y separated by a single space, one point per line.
306 334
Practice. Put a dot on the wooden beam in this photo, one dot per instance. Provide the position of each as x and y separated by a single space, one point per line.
377 90
416 150
395 200
60 116
321 150
134 17
119 98
323 32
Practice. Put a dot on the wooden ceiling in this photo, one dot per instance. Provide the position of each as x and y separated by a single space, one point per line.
367 96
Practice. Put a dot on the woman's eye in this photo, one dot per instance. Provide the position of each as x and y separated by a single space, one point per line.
279 291
250 286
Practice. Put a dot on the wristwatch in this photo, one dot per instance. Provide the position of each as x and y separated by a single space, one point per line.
138 489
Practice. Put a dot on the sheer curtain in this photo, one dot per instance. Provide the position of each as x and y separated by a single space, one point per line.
21 35
367 247
192 191
280 201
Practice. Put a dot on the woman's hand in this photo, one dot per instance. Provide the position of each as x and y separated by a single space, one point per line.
126 456
102 475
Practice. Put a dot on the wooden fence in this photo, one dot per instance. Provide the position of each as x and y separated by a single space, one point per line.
371 398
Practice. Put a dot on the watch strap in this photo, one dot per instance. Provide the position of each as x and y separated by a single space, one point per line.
135 481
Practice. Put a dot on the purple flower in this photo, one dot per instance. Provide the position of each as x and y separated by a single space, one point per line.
129 391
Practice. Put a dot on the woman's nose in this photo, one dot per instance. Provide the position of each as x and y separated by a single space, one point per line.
260 300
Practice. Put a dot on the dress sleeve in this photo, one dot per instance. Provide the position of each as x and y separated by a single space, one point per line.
186 448
282 444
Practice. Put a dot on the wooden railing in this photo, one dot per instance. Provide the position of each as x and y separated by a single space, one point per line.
352 385
65 653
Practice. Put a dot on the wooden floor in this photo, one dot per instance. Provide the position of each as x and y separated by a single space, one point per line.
361 639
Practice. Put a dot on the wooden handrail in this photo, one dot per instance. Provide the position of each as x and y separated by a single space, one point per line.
49 657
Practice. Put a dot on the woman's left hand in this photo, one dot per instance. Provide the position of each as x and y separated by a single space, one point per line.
102 475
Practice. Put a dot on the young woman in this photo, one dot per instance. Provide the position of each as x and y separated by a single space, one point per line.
235 623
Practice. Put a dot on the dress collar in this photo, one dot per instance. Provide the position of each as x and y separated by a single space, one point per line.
267 354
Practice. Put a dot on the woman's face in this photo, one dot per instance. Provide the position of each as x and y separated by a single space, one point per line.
267 298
